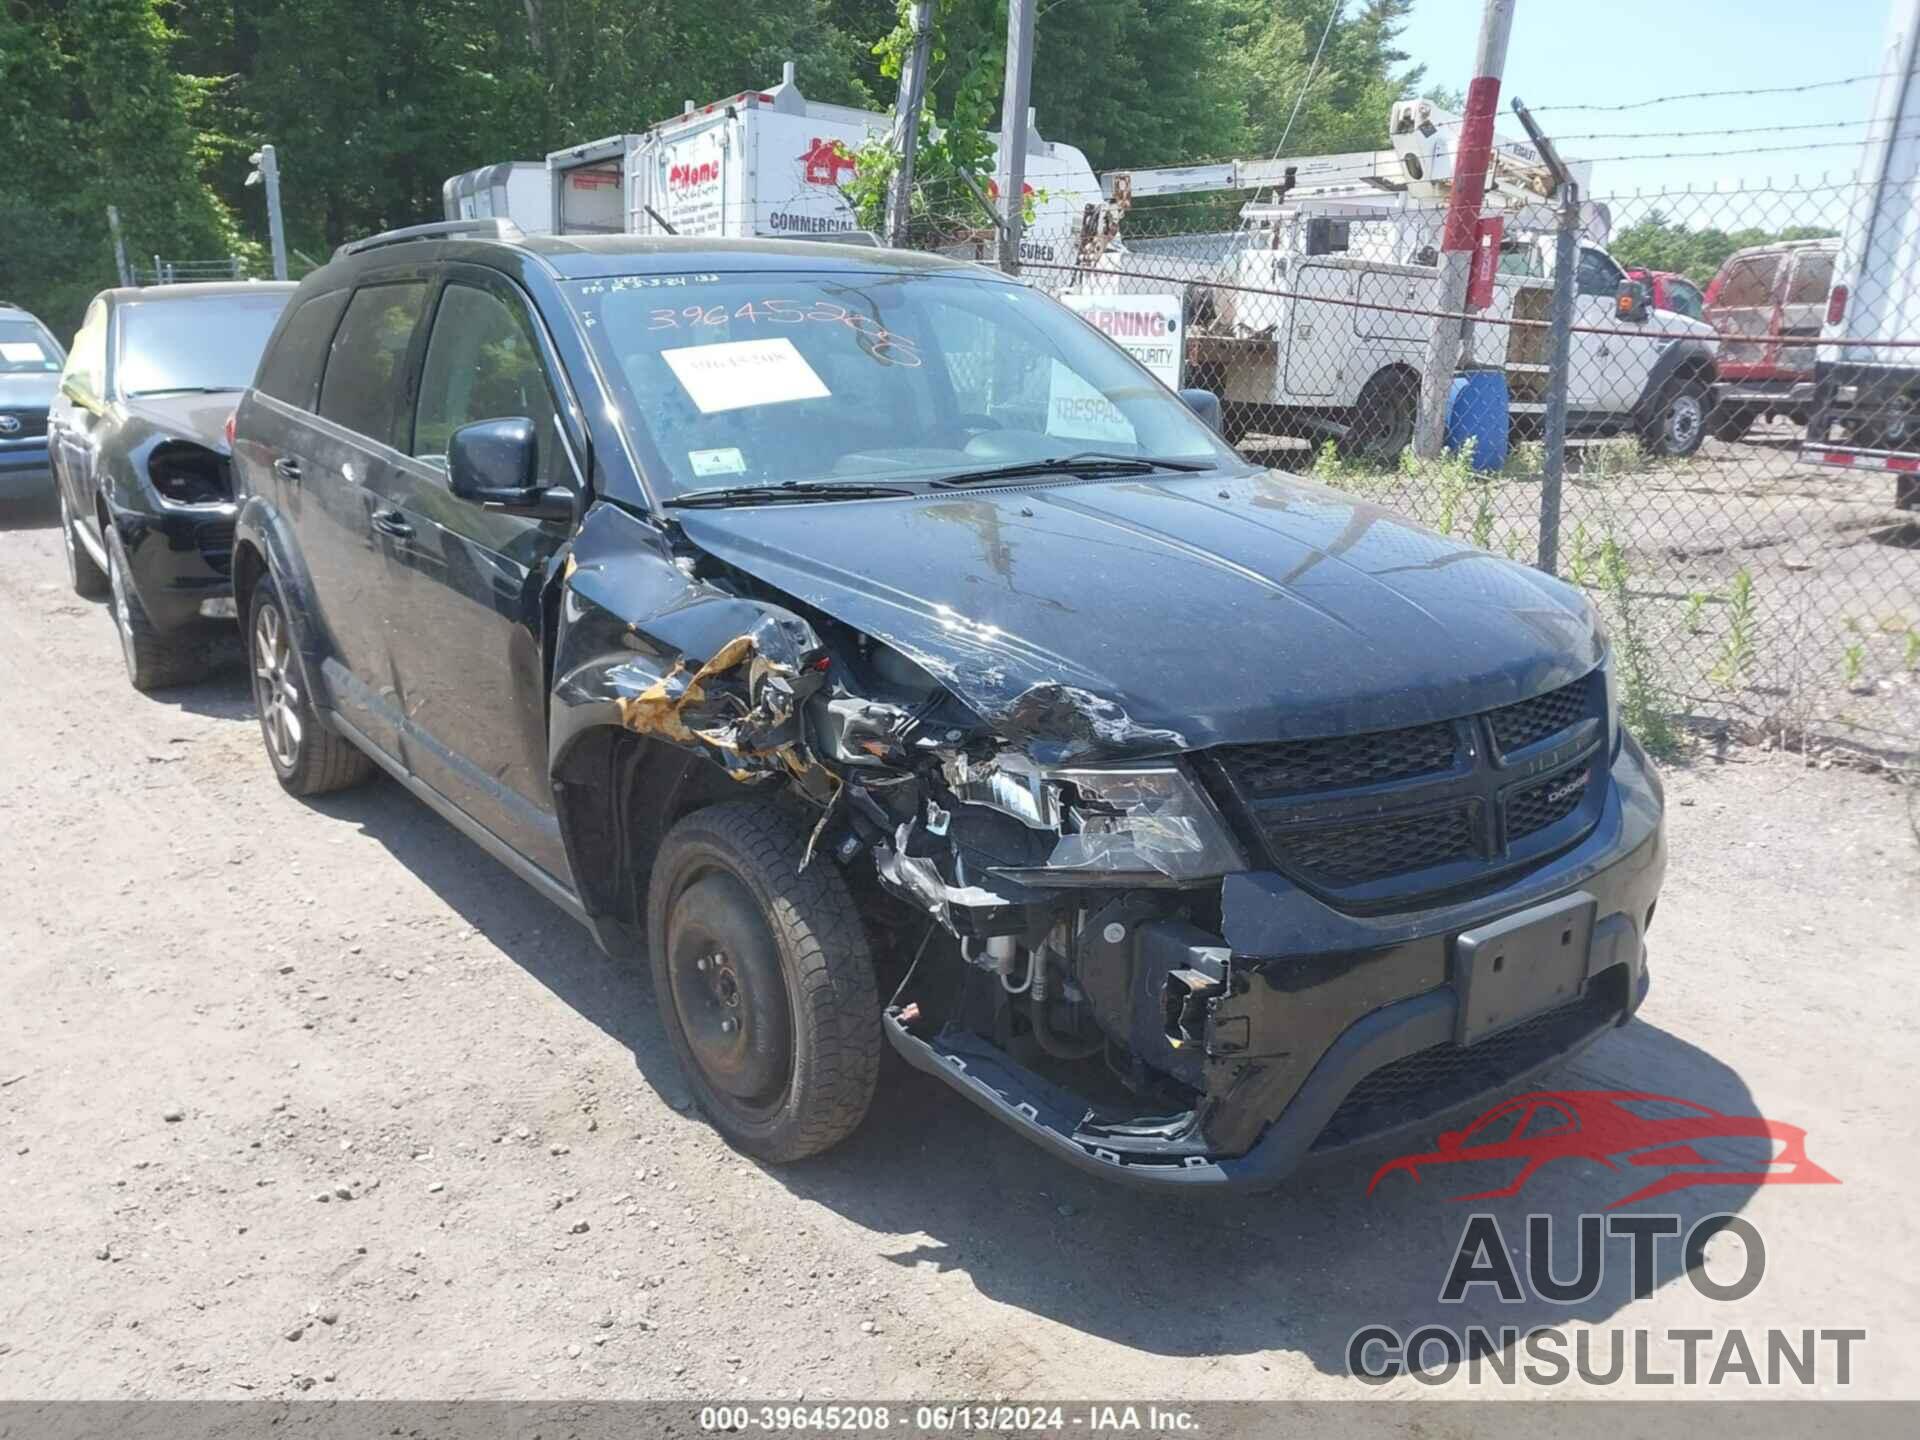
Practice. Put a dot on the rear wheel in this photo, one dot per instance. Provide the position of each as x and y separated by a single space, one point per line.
1679 422
1383 420
155 660
764 981
307 757
89 581
1732 422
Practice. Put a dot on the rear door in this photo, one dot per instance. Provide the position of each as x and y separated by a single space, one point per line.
470 656
363 407
1741 309
1803 311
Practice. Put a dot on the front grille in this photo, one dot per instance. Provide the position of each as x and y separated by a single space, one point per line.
1517 726
1358 854
1299 767
1544 804
32 425
1392 813
1430 1081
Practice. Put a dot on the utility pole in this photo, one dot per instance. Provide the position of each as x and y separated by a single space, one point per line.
906 125
1473 157
119 246
267 169
1014 120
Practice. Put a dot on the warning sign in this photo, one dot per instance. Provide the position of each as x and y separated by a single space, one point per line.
1147 327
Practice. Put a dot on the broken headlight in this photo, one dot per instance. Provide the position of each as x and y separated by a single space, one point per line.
1112 820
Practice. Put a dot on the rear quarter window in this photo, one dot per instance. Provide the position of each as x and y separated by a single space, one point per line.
366 365
290 370
1812 276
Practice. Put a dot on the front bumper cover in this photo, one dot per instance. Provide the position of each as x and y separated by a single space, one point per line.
1343 1029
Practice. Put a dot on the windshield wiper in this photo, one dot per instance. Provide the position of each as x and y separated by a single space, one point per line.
1087 463
185 390
787 490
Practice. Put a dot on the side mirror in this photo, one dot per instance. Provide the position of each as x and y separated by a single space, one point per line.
71 388
1630 305
492 464
1206 405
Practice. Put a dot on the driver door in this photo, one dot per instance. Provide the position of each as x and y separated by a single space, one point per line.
468 640
1608 370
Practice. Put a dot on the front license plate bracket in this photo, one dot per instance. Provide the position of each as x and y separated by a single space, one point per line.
1512 969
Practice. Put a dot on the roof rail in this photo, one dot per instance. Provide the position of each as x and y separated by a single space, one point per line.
439 230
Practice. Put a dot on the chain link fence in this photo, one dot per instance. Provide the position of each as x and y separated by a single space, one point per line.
1757 585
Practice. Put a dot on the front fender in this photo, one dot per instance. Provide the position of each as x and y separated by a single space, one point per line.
1694 358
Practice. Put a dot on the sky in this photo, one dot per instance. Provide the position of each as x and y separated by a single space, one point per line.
1610 52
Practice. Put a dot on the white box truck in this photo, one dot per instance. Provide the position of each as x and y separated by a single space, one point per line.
519 190
769 163
1866 392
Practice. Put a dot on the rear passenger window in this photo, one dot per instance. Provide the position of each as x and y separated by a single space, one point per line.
1812 274
290 370
366 366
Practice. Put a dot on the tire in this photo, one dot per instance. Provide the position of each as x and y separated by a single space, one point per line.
89 581
1383 419
764 981
1679 423
155 660
1732 422
307 757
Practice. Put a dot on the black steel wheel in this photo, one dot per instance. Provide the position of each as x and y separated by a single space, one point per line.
764 981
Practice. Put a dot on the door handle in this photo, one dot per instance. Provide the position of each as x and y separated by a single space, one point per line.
392 522
288 469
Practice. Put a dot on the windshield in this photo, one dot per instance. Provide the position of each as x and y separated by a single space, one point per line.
25 349
761 379
211 342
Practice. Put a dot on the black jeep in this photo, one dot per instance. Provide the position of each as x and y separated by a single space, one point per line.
872 643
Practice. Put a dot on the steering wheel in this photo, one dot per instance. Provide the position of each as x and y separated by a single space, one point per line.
962 428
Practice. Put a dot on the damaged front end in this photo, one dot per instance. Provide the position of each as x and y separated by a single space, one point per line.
1120 944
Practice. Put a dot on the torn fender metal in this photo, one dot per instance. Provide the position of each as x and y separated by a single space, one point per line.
918 881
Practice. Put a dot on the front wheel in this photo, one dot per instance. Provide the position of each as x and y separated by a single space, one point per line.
1383 419
1679 424
764 981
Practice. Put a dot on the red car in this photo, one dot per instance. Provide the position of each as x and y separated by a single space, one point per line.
1671 291
1618 1128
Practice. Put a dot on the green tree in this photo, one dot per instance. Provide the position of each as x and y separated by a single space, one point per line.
1662 244
95 115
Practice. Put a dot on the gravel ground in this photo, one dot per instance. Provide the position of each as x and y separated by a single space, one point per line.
316 1098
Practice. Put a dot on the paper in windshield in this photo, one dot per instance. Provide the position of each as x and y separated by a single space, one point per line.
738 374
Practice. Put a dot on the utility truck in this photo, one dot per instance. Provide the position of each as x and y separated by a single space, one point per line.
1312 317
1866 391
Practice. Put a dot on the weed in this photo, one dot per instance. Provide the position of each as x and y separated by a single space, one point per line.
1483 516
1643 702
1579 556
1856 661
1696 608
1913 649
1736 651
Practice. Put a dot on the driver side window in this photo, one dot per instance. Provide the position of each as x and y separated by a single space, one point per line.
483 364
1597 275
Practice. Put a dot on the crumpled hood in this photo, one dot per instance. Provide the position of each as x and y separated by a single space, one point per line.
1149 616
202 418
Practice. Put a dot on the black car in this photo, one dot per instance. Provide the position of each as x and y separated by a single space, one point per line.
874 645
138 442
30 360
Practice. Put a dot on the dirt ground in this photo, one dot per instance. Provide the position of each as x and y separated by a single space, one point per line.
316 1098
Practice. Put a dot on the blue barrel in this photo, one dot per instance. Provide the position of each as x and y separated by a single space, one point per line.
1477 411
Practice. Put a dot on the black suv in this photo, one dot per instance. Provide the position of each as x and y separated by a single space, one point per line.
835 624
